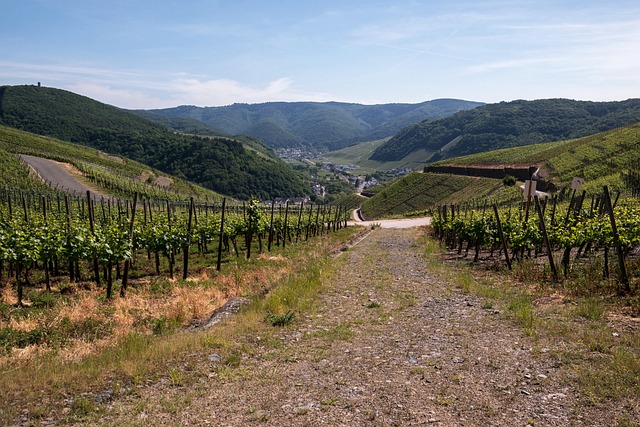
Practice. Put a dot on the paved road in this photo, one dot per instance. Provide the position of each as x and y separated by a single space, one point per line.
390 223
57 175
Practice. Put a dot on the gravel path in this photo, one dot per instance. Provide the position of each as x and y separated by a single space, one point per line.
58 175
389 223
390 344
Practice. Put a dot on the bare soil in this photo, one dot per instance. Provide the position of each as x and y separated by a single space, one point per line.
389 344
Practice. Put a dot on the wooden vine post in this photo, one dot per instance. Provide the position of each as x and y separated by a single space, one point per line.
46 261
273 202
286 225
127 262
543 229
624 278
187 243
299 221
170 255
92 227
218 264
249 233
315 228
501 234
68 212
306 237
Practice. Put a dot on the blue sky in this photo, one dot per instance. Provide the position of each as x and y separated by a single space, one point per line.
156 54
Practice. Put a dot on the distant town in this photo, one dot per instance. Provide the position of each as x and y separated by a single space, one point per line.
345 172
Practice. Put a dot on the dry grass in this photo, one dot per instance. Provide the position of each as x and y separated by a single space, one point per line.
189 301
144 331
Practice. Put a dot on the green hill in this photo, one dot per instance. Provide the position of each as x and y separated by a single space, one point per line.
179 124
321 126
508 124
609 158
418 192
219 163
114 175
603 158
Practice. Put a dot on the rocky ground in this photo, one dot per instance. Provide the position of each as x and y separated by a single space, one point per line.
389 344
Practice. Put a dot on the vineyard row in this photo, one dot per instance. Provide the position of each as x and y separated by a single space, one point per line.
566 232
52 234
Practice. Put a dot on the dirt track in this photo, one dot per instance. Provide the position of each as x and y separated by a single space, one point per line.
390 344
390 223
58 175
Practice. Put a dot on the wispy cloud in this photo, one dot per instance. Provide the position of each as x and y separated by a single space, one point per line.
132 89
191 91
226 91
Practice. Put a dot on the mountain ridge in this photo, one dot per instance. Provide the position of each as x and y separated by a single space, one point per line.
323 126
508 124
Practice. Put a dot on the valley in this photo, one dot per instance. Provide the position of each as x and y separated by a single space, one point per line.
408 306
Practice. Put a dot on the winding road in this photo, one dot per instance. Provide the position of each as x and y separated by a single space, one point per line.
58 175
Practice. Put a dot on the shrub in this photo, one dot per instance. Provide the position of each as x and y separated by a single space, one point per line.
509 180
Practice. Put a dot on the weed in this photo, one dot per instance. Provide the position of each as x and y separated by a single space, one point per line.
587 276
373 304
302 410
329 401
280 320
261 416
370 414
163 325
524 313
341 332
465 281
82 408
590 308
175 404
160 287
43 299
528 271
443 400
407 300
232 360
176 377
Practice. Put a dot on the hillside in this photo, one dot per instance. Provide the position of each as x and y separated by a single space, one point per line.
114 175
604 158
508 124
418 192
321 126
180 124
609 158
219 163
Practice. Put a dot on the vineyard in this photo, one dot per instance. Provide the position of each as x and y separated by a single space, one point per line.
416 193
590 238
112 240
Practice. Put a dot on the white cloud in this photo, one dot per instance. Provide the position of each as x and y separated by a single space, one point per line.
124 98
191 91
137 90
227 91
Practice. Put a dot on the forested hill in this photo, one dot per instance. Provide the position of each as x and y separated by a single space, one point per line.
323 126
508 124
220 163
